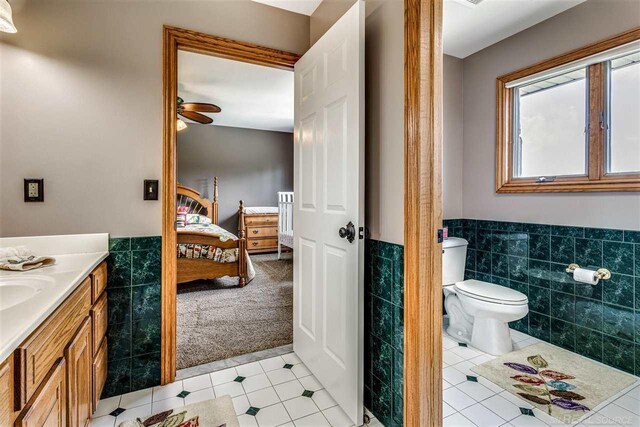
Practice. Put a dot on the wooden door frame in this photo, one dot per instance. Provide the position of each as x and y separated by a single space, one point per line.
175 39
423 108
422 195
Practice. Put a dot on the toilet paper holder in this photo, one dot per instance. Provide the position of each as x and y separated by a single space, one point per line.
603 273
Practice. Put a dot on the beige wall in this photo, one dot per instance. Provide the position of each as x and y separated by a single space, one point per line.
81 105
384 59
325 16
583 24
452 138
252 165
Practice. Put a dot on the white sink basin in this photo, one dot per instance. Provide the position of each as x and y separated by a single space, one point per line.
15 290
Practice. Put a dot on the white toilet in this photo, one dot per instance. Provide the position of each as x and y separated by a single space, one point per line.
479 312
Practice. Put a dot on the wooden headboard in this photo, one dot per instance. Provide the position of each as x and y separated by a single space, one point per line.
199 205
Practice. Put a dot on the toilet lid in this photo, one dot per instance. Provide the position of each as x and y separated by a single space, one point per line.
490 292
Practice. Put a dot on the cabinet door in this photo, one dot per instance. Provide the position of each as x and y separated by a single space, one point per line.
99 373
6 390
47 407
79 373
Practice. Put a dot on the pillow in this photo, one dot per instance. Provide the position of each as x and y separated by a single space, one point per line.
181 216
198 219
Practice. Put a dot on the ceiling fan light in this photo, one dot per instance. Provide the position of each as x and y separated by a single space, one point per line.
181 125
6 21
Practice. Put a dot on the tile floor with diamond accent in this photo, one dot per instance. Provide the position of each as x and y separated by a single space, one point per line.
471 400
277 391
281 391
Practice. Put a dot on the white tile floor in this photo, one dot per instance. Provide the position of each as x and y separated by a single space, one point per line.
484 404
277 391
269 385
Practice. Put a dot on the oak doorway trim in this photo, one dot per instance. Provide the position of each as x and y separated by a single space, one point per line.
175 39
423 213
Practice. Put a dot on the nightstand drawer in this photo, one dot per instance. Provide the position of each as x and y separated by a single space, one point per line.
262 244
255 232
257 220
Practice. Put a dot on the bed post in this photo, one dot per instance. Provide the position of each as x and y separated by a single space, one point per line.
242 248
214 204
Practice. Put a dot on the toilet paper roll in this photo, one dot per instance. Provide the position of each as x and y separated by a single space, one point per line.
585 276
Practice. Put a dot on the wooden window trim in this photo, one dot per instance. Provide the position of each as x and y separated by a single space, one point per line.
596 178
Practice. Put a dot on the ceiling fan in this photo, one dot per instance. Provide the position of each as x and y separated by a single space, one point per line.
192 110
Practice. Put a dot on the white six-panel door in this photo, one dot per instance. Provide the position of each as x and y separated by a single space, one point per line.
329 188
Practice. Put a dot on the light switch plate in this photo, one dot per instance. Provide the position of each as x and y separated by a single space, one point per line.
33 190
150 189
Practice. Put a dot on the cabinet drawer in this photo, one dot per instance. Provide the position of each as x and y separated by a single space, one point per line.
257 220
262 243
99 281
35 356
253 232
99 373
99 322
48 406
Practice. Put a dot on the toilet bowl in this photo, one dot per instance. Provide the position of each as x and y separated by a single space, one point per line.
479 312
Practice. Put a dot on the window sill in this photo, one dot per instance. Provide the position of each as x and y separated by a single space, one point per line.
569 185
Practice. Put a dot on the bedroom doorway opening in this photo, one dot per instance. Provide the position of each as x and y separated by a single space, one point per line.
234 164
326 366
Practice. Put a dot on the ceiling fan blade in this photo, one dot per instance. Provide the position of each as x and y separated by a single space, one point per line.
201 106
196 117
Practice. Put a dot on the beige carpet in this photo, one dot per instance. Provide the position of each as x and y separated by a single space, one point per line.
210 413
217 320
564 385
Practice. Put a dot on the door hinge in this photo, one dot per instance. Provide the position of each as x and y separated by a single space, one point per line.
440 235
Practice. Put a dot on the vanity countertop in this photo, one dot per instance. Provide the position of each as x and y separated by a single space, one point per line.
42 290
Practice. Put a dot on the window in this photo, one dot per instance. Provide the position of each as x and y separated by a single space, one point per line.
623 150
550 127
572 123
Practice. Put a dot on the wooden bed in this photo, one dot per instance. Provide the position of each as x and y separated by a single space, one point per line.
194 269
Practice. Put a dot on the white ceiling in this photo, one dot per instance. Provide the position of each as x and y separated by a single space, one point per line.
305 7
251 96
469 29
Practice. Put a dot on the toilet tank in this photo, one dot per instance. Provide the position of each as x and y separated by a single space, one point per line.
454 258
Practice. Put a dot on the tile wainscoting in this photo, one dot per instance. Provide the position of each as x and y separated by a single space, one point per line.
134 321
133 335
384 330
601 322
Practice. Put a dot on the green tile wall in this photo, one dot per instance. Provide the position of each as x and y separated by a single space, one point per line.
384 330
133 295
601 322
133 292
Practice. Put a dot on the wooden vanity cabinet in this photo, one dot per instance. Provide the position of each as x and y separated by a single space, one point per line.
57 374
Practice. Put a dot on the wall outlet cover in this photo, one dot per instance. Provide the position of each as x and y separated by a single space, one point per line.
33 190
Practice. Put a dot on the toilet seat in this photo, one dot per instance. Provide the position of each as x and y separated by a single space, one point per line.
489 292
